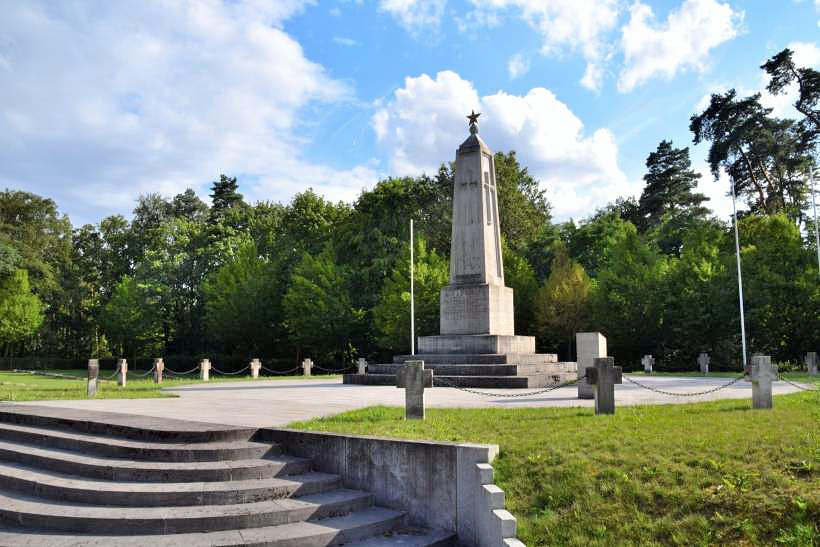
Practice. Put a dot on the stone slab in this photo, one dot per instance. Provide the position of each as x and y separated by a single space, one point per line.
482 343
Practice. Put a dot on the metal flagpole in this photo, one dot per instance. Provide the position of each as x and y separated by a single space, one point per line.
739 278
412 298
814 205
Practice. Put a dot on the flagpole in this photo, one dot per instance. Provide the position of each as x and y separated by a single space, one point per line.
814 205
412 298
739 277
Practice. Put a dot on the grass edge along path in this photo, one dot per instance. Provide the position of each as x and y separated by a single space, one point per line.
71 385
680 474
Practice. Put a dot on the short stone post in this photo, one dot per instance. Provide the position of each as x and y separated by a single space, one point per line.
589 345
159 367
648 362
205 370
811 363
256 366
763 373
413 377
703 362
604 375
362 364
93 376
122 372
307 364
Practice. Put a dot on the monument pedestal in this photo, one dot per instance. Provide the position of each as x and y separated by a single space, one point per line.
477 346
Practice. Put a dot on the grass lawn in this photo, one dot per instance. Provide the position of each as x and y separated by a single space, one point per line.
687 474
23 386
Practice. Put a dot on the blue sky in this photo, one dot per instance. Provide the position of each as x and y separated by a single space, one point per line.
103 101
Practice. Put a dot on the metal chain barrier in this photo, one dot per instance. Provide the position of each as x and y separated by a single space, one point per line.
175 373
692 394
143 375
109 378
336 371
798 386
281 372
447 383
216 370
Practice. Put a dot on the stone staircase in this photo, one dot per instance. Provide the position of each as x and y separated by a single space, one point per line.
483 370
70 477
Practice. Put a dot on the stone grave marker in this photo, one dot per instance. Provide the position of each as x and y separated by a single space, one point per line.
361 363
256 366
205 370
413 377
811 363
93 376
763 373
159 368
122 372
589 346
307 365
648 362
604 375
703 362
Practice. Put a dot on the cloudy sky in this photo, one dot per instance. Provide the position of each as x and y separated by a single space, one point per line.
103 101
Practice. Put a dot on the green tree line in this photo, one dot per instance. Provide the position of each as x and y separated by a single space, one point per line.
655 273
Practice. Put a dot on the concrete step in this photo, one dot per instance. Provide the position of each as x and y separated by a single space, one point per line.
344 530
103 445
480 358
71 463
450 369
144 428
496 382
67 488
34 514
410 538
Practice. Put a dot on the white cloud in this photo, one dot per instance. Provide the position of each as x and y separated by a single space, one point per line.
518 65
415 15
424 123
682 42
100 105
564 25
347 42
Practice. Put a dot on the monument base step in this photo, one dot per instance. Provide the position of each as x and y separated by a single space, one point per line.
473 369
480 358
487 382
476 343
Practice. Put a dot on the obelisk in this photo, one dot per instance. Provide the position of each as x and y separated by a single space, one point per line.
476 307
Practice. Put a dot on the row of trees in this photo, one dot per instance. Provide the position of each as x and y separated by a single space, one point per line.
655 273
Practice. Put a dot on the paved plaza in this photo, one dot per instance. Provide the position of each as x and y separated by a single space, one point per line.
279 402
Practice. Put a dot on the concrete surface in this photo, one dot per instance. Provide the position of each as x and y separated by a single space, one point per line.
279 402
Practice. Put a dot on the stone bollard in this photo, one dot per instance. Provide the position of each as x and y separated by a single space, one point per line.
362 364
604 375
763 373
307 364
589 345
703 362
413 377
159 367
648 362
93 376
811 363
256 366
122 372
205 370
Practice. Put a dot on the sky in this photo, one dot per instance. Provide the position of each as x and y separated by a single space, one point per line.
103 101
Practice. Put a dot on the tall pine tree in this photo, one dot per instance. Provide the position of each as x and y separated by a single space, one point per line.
668 202
224 196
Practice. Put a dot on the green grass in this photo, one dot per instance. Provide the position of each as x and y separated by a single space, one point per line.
695 474
23 386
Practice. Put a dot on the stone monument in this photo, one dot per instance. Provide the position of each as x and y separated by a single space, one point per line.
477 345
